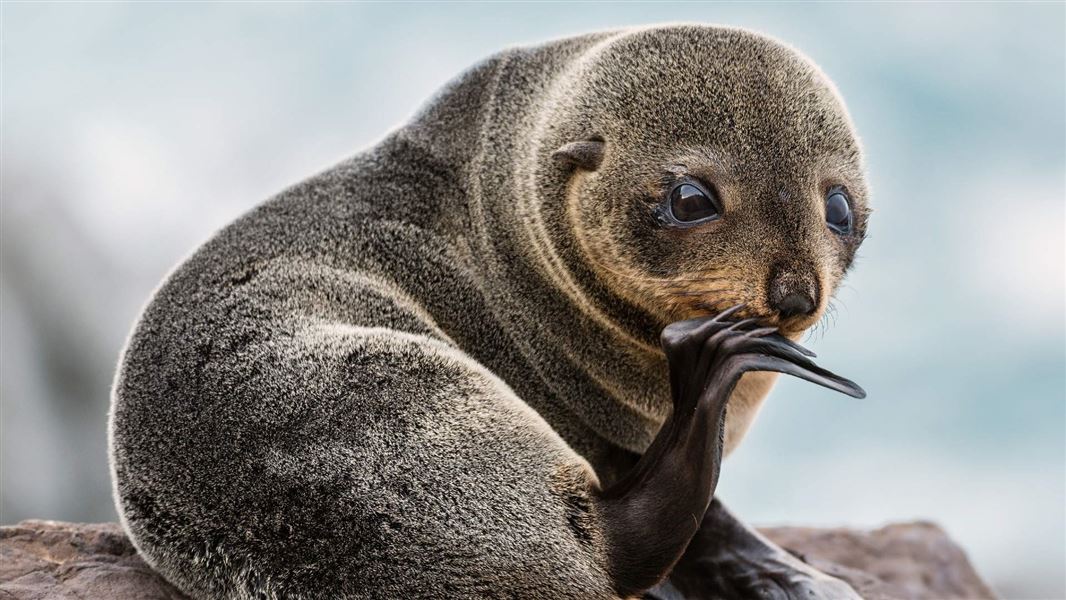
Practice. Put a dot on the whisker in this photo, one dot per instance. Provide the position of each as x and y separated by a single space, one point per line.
631 276
839 303
719 305
696 279
822 326
668 281
676 285
701 292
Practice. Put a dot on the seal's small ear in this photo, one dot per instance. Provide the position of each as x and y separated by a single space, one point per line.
586 154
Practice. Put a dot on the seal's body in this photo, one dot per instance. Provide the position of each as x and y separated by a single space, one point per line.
430 370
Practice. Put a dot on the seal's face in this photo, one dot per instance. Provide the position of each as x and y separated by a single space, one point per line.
728 173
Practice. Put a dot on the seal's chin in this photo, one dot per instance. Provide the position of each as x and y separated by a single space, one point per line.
790 327
794 328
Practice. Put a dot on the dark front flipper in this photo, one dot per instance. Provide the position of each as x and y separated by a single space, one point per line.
729 560
650 516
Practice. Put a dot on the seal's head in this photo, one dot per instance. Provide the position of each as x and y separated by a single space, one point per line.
707 167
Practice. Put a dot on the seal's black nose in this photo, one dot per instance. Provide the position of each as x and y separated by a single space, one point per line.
794 304
793 291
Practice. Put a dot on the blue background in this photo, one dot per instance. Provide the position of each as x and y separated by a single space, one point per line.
132 131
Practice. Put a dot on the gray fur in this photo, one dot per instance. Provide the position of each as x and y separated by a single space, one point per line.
405 376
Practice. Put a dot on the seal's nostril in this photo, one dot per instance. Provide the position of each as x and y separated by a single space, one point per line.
794 304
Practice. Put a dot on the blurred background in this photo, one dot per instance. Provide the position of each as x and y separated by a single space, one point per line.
131 132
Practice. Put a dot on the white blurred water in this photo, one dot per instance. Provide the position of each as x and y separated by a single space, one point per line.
130 132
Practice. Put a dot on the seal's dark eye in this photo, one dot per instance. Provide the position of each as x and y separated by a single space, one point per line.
838 211
691 204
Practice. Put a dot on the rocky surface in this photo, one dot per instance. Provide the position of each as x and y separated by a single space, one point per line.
902 561
54 560
60 561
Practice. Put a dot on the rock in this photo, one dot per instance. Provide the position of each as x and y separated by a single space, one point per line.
55 560
916 561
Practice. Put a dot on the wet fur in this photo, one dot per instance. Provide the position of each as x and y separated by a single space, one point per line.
403 376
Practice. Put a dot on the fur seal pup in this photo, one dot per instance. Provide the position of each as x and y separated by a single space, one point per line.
492 356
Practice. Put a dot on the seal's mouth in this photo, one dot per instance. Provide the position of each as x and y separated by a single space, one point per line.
791 300
790 326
